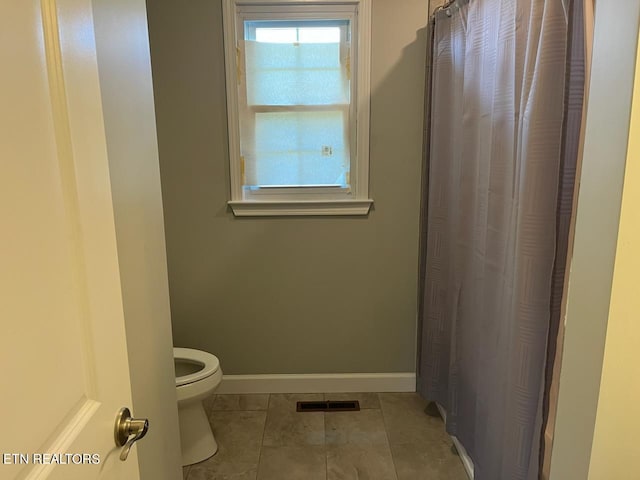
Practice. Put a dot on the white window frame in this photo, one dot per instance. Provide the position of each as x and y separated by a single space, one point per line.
293 200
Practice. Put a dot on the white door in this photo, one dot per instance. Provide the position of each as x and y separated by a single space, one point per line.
63 355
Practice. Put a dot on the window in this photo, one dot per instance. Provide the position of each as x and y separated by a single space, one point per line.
298 106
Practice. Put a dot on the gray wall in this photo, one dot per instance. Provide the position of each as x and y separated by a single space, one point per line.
433 4
288 295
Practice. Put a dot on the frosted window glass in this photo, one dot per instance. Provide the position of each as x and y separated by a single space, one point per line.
298 148
319 35
302 35
276 35
296 74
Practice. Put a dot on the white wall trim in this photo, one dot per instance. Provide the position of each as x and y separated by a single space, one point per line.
273 208
467 463
319 383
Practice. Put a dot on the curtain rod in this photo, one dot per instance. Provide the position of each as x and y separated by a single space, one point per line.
444 6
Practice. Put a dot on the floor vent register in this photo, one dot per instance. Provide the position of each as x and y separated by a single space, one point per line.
329 406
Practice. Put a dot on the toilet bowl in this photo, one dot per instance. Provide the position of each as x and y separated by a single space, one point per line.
198 374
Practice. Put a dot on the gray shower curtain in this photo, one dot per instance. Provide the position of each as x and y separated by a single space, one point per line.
496 151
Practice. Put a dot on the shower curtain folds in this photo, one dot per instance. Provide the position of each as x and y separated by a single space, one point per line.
498 76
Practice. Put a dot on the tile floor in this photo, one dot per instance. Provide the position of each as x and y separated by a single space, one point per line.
262 437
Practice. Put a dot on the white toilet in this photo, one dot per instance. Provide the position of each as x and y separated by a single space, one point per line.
198 374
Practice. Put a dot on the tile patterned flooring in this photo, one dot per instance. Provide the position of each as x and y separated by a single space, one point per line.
262 437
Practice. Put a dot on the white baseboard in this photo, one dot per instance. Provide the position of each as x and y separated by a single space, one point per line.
319 383
464 456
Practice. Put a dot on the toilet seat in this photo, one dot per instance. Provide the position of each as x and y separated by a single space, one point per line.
210 364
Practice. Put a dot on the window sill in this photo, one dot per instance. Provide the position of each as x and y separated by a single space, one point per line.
300 208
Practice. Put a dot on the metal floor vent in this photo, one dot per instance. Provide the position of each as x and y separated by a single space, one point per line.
329 406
